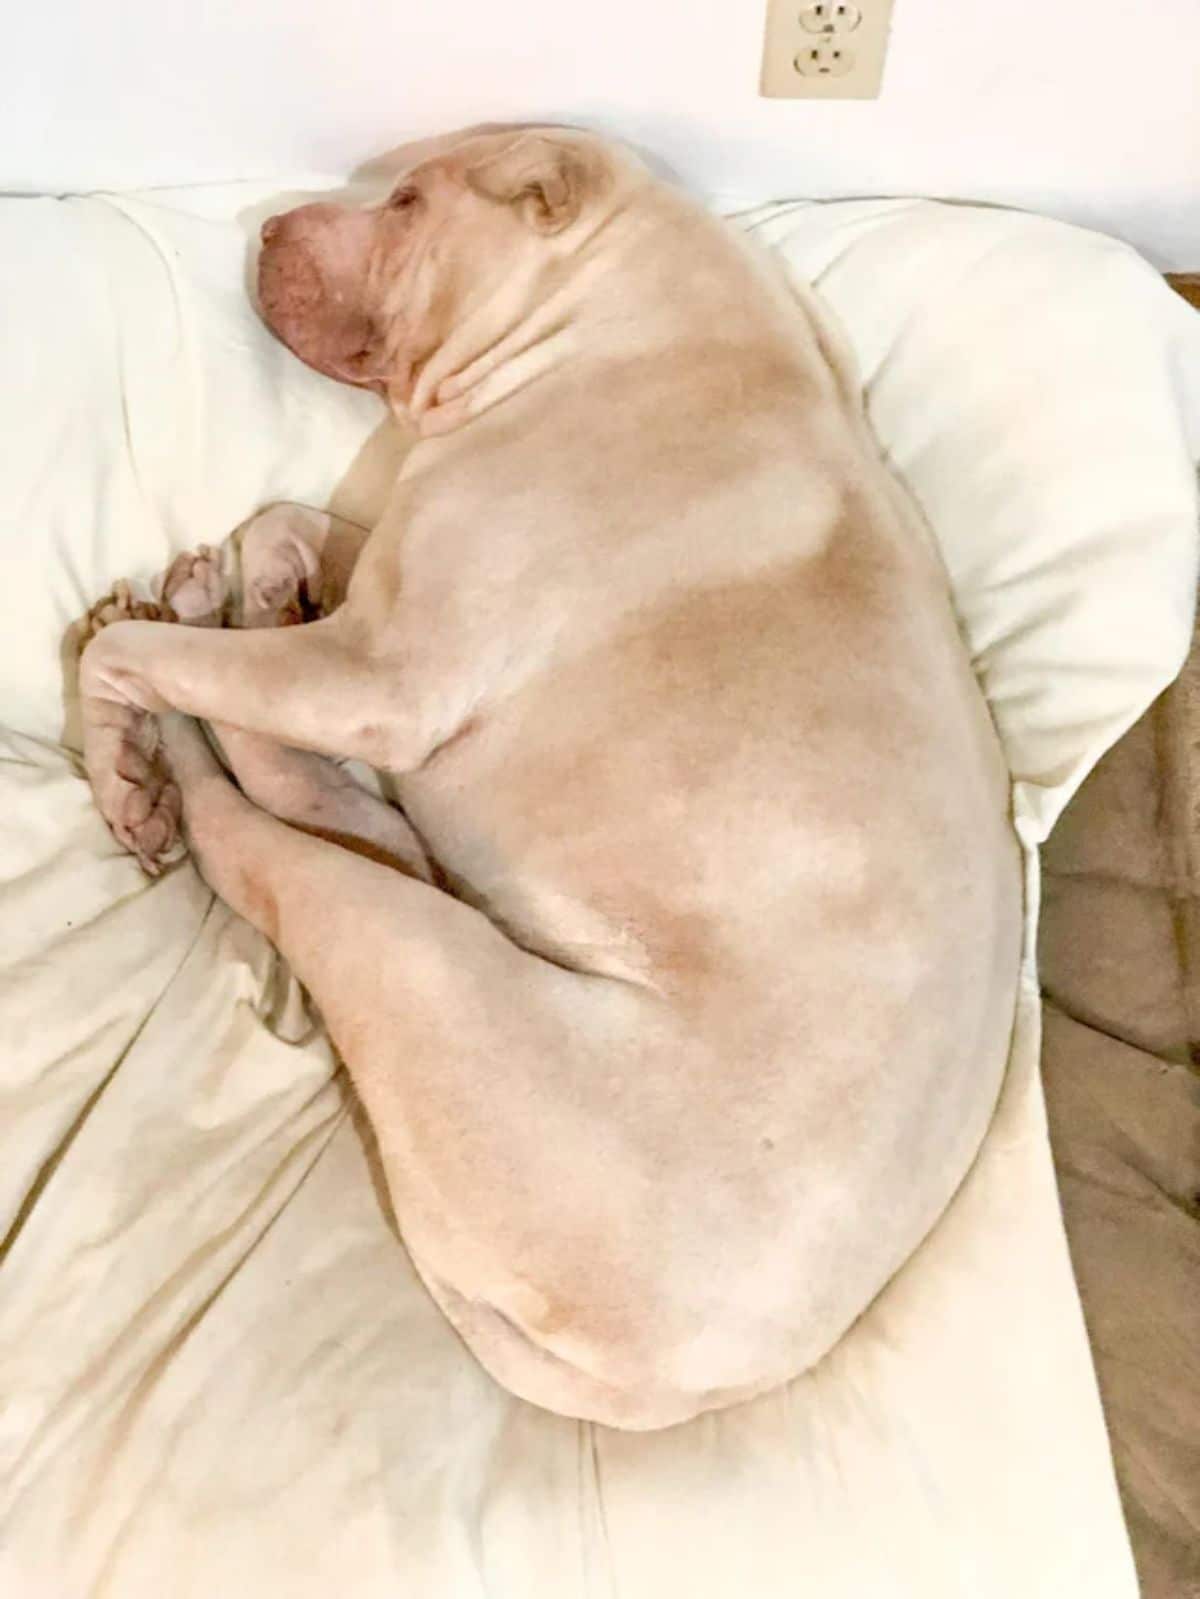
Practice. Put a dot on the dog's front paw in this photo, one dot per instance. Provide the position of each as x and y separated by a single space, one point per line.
134 790
194 589
122 605
281 572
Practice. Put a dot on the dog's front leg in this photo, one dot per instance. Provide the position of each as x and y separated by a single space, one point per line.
314 687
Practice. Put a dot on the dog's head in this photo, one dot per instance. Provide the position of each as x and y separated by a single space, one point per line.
366 294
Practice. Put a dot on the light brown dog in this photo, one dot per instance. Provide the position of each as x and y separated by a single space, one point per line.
691 1035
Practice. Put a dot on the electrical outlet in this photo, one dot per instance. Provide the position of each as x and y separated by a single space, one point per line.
830 16
824 59
825 49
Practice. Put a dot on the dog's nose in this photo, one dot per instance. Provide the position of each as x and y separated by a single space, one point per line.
270 228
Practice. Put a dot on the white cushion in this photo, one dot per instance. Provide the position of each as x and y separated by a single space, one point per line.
1038 389
221 1374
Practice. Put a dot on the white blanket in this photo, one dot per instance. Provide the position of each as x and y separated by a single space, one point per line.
219 1374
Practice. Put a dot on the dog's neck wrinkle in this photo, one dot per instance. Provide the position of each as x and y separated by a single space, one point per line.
476 349
490 355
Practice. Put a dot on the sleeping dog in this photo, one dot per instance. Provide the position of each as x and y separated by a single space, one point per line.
679 989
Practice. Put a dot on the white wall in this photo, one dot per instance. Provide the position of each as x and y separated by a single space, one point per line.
1088 109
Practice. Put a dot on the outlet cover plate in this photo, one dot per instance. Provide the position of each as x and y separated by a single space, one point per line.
788 38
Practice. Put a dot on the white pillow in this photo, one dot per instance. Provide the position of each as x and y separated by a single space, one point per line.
221 1374
1038 389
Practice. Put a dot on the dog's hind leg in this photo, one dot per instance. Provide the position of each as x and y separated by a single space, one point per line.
314 793
520 1182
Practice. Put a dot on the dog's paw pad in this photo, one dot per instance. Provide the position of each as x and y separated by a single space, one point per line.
150 827
281 573
275 595
134 789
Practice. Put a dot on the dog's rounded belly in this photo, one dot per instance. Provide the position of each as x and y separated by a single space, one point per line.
789 823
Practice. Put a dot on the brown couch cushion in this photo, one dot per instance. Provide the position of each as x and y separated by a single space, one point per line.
1120 954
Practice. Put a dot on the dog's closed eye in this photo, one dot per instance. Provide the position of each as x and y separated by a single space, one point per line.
403 197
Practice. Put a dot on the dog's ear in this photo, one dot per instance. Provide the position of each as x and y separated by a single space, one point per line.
547 180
